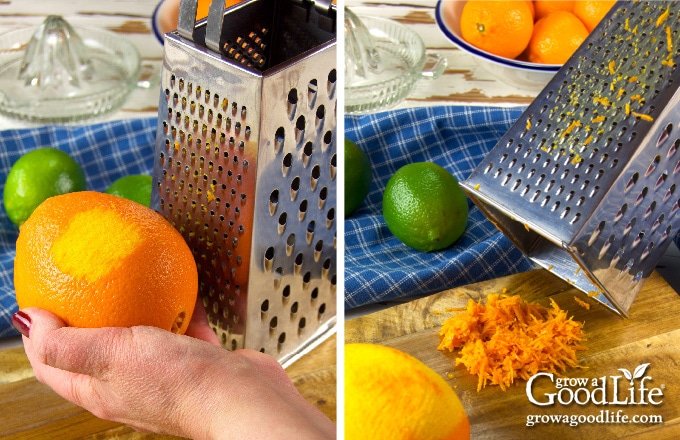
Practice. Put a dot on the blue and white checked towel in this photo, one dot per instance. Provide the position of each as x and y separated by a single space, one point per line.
378 267
105 151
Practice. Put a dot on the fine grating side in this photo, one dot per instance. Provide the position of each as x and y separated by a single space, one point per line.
245 170
584 183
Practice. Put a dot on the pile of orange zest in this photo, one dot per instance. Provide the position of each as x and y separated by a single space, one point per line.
598 119
508 339
612 67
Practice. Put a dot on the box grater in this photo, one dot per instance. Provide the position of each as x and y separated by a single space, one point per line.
245 167
586 181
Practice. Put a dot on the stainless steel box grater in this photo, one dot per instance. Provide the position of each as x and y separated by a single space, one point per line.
245 167
586 181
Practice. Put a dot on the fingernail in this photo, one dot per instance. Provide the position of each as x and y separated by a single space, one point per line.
21 322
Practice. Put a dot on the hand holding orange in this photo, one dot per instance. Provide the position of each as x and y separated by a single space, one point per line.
98 260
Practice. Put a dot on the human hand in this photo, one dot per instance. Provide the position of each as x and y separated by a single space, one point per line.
161 382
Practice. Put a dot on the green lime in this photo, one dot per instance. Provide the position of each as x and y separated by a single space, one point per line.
424 206
136 187
36 176
357 176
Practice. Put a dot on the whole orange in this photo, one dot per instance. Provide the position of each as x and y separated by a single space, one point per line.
501 27
544 8
591 12
98 260
555 38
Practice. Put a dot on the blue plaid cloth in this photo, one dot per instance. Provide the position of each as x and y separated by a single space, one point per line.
378 267
105 151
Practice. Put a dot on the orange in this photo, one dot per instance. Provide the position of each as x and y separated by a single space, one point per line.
555 38
592 12
501 27
392 395
544 7
98 260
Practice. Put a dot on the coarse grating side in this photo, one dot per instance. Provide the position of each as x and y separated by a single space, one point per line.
585 181
245 168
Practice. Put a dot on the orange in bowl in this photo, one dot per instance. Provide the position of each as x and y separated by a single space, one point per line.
501 27
556 37
99 260
516 72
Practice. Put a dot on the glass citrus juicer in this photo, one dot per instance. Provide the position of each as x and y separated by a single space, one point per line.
55 74
384 60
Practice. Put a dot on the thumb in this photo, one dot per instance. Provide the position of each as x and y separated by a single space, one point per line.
33 321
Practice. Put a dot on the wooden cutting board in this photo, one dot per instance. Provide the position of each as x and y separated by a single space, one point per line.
651 335
29 409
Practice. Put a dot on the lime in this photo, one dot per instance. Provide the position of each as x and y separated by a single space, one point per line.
357 176
424 206
36 176
136 187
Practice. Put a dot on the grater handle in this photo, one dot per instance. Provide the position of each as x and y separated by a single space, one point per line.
213 31
186 22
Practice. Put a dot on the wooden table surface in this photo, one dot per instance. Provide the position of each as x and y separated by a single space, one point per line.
31 410
650 335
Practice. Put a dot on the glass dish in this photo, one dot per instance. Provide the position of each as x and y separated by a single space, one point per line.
401 61
114 66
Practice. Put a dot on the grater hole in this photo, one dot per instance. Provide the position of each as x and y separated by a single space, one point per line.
312 89
264 307
282 338
302 323
315 294
596 233
327 139
316 173
669 193
323 195
279 137
293 96
287 160
322 309
641 196
273 323
320 113
332 76
300 123
285 293
307 152
302 210
295 186
674 147
334 165
330 216
294 308
665 134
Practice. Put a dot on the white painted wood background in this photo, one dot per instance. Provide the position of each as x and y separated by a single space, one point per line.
463 81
